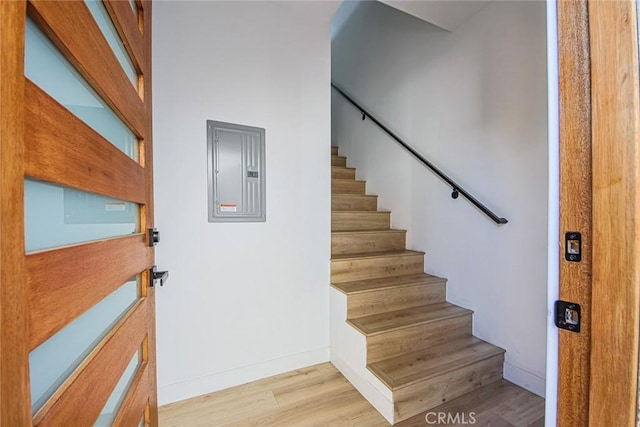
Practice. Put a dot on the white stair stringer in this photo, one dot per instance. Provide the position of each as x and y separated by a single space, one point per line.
349 355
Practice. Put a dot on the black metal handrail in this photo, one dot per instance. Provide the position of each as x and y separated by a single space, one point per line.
457 189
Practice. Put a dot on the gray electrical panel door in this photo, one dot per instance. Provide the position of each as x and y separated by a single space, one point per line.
236 172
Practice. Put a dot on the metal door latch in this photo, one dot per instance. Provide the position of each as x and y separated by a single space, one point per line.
573 246
567 316
154 236
154 275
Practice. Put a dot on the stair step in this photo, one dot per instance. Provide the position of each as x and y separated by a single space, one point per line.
412 329
334 151
369 285
338 161
351 242
354 202
350 267
347 186
339 172
373 296
425 379
360 220
394 320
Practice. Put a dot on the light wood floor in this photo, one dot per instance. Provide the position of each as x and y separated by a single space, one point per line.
320 396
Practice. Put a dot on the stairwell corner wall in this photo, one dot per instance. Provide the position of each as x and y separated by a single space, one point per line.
244 301
474 102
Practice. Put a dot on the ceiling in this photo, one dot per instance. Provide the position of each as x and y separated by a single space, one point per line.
447 14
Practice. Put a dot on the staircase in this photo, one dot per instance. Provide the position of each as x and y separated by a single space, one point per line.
394 336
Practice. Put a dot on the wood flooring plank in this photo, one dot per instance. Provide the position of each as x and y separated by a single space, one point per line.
341 406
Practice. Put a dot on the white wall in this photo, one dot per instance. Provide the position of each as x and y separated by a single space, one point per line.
243 301
474 102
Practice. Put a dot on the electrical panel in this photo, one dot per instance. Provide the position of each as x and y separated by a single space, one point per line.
236 166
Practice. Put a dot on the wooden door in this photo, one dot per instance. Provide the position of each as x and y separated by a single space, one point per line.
600 197
44 291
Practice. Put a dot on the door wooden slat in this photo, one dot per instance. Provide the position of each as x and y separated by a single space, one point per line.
84 274
616 207
97 376
575 207
136 399
72 29
61 148
15 399
126 24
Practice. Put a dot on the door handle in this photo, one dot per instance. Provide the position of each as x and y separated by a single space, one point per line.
154 275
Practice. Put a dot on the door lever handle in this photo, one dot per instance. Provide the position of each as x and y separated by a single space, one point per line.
154 275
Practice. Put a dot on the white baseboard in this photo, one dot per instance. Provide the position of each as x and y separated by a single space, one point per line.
175 392
524 379
366 389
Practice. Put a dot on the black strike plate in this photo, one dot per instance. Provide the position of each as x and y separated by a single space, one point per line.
154 236
573 246
568 316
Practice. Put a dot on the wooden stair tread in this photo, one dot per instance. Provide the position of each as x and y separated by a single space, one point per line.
393 320
402 371
342 167
359 232
347 195
343 257
334 180
369 285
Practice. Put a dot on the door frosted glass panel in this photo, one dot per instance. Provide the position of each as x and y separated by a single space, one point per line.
45 66
114 403
57 216
54 360
103 20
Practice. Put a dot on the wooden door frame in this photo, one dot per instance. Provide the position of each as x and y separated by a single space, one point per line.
15 397
599 197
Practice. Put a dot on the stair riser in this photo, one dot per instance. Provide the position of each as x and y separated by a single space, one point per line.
370 242
347 187
392 299
349 221
417 337
354 202
435 391
343 173
334 151
373 268
338 161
